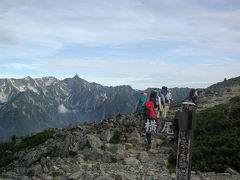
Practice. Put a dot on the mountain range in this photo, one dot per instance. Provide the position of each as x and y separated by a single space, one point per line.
114 148
30 105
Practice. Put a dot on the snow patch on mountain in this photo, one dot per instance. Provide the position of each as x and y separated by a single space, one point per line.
3 97
19 88
49 81
62 109
32 89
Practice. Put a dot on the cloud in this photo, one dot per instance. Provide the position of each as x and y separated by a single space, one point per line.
143 73
58 23
183 36
19 66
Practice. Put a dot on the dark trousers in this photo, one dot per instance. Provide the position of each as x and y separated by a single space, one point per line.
149 138
149 135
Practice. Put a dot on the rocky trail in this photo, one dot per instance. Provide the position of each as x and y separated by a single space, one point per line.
111 149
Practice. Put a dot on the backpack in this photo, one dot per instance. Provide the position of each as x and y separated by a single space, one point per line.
164 97
142 100
154 96
192 92
164 90
149 111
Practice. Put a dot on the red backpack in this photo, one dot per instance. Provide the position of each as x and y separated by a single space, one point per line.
149 110
192 92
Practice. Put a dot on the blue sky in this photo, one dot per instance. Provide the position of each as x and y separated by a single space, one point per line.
142 43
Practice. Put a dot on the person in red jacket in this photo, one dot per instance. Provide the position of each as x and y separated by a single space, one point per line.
151 122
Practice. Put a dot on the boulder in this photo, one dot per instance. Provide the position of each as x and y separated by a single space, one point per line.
34 156
75 175
134 137
34 170
106 135
90 141
131 161
93 154
73 148
157 142
107 157
115 148
143 156
121 176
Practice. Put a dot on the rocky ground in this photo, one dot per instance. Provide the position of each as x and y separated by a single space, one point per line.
104 150
212 97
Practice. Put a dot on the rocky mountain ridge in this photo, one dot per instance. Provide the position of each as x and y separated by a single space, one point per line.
31 105
106 149
219 93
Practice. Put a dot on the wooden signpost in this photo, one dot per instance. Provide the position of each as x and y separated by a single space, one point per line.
186 124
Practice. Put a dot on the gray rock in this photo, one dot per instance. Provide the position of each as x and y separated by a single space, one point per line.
148 178
105 177
88 175
47 177
93 154
34 170
107 157
33 156
106 135
143 156
75 175
134 137
173 176
119 156
121 176
90 141
115 148
131 161
24 178
232 171
128 145
45 169
73 148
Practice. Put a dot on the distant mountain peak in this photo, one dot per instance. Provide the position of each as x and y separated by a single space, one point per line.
28 78
76 77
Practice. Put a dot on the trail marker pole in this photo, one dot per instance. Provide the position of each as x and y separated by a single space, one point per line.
186 123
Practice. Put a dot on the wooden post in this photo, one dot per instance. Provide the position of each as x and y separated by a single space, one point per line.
186 123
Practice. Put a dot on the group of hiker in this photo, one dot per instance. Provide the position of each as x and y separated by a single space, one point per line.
154 107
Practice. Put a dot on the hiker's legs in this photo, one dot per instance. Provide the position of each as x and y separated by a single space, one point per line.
142 121
149 138
165 110
142 128
157 111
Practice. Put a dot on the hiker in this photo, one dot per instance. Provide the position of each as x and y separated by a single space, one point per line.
156 99
151 122
166 98
140 108
193 95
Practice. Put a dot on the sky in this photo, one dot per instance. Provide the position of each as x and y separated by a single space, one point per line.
142 43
